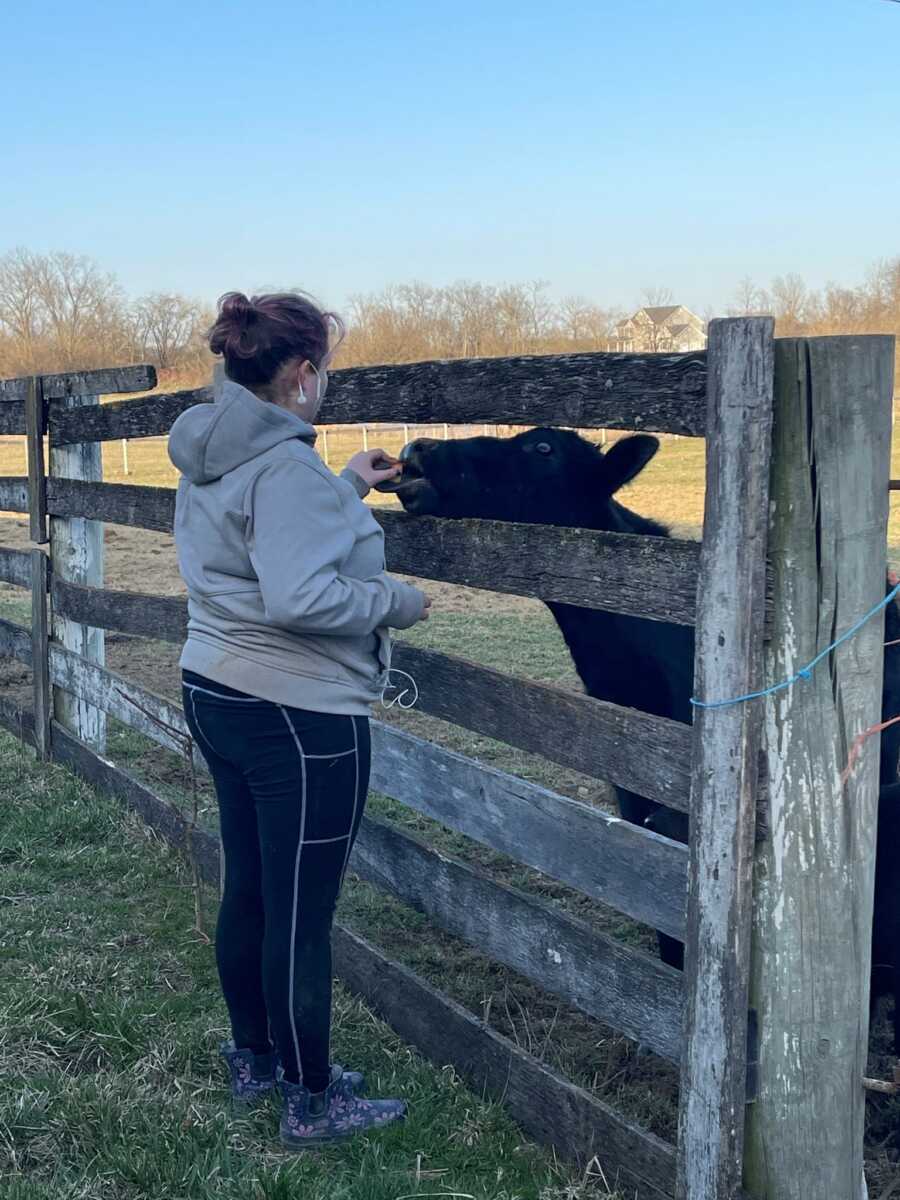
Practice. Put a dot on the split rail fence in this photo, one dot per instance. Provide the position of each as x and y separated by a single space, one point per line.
767 1028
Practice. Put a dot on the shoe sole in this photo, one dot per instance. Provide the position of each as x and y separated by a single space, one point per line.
316 1143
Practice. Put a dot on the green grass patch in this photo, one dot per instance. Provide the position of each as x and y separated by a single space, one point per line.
15 605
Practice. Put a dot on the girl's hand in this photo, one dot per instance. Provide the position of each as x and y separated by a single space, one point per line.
375 466
426 607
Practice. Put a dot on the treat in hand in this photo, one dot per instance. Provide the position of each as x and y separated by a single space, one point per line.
396 466
375 466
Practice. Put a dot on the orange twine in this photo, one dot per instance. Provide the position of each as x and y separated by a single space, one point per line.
858 743
860 740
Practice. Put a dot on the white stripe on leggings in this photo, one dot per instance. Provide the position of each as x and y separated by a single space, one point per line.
355 803
296 889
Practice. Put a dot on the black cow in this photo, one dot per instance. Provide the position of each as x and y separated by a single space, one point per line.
886 917
554 477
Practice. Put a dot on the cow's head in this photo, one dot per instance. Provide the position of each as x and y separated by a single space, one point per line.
543 476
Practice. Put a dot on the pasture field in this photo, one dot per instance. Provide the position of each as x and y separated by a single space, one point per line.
508 633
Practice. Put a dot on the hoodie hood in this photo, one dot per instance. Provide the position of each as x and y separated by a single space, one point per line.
209 440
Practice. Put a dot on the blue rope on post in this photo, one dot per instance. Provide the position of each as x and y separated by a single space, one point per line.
804 672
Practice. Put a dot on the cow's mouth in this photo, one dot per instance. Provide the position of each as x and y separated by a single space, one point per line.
409 474
415 492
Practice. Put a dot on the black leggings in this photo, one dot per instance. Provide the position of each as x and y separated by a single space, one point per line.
291 787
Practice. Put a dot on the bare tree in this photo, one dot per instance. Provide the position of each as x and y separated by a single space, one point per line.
749 300
583 326
84 306
467 320
59 311
871 307
20 309
789 298
168 327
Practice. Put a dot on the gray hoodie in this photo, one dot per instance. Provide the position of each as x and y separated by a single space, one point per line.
284 564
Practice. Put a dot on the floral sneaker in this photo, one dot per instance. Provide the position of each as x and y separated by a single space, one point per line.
252 1075
255 1075
332 1115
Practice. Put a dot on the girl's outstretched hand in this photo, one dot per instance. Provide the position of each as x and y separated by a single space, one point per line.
375 466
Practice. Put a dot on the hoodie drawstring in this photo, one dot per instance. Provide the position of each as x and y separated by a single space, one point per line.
398 700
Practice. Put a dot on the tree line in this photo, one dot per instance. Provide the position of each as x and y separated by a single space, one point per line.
61 312
870 307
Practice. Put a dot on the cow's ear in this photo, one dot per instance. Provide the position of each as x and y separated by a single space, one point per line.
626 459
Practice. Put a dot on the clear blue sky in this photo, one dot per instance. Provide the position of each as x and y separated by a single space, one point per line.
341 146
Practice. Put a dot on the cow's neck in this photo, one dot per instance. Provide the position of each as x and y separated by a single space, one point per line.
628 660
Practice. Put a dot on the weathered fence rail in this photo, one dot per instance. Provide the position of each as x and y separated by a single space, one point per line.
643 576
605 858
112 380
709 769
646 753
658 392
15 567
624 988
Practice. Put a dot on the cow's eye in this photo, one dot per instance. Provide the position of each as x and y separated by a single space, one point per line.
544 448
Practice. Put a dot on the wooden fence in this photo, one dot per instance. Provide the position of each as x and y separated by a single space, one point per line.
798 437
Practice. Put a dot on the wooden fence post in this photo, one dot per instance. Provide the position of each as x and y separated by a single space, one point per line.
76 556
730 619
36 428
40 653
809 982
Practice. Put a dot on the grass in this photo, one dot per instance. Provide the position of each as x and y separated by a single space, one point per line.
110 1084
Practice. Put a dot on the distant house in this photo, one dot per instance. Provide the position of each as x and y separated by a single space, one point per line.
663 329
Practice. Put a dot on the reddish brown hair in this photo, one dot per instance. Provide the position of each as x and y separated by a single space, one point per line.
258 335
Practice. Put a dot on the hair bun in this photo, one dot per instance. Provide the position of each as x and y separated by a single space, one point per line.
235 306
231 335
